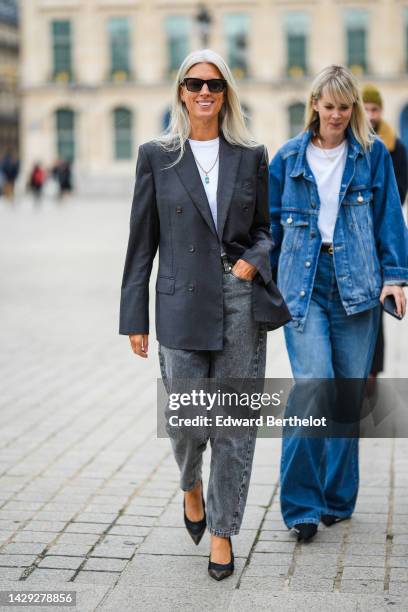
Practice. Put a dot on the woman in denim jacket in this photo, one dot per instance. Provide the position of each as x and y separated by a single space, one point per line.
340 247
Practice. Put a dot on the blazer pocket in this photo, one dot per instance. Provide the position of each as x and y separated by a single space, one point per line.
165 285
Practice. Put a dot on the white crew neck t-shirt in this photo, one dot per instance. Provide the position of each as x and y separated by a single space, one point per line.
206 152
327 167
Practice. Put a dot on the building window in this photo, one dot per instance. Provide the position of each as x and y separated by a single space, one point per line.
65 119
236 31
296 114
61 50
406 38
119 43
356 32
178 31
297 32
123 133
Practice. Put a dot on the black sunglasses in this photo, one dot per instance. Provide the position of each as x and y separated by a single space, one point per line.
196 85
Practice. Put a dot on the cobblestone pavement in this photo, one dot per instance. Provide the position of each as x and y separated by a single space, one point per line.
89 498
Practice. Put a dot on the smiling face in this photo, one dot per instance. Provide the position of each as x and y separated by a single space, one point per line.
203 106
334 116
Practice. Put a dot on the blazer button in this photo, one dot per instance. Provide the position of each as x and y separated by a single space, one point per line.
179 210
245 209
191 287
302 293
191 248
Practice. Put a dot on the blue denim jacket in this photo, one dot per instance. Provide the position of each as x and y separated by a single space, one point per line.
370 237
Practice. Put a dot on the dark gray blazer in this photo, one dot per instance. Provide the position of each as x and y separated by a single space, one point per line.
170 210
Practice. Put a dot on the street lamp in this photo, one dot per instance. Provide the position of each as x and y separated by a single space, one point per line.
203 19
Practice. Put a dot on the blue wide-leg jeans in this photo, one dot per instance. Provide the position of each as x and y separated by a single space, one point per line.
319 475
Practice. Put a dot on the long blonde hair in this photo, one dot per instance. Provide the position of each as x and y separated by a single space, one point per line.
231 117
341 85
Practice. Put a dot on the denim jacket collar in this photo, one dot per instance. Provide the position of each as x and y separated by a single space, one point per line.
300 168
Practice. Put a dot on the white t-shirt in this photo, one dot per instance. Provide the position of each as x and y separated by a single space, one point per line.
206 152
327 167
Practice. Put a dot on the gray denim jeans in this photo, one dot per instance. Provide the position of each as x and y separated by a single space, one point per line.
243 356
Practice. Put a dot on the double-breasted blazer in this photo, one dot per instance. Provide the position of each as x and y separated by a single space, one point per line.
170 212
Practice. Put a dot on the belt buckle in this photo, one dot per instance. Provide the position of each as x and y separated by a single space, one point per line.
226 264
330 250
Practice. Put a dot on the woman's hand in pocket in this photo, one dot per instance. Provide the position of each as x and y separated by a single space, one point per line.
244 270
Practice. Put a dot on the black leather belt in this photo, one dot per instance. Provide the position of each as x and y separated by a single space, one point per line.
226 264
327 248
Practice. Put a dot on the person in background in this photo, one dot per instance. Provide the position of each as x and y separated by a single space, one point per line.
63 175
10 167
36 181
340 247
373 104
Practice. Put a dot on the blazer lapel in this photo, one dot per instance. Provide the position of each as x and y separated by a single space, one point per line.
190 177
230 157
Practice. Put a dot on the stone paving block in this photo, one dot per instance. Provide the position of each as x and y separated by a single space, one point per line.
399 574
78 538
264 583
51 576
118 540
399 550
260 571
315 571
176 541
320 548
400 539
363 573
55 526
398 562
159 599
92 517
276 536
307 584
10 573
42 537
57 562
69 550
105 565
97 528
363 561
258 559
365 549
274 525
105 578
399 588
22 548
275 547
17 560
128 530
362 586
115 552
137 521
138 510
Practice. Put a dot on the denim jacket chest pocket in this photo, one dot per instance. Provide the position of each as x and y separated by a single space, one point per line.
295 227
357 209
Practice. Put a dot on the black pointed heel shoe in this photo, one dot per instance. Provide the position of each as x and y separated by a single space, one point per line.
330 519
305 531
219 571
196 529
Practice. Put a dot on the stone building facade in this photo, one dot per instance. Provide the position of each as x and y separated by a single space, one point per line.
9 57
96 74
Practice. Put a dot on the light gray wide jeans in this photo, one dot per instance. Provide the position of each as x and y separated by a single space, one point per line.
243 356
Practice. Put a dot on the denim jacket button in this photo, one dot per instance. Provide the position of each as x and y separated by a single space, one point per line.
302 293
289 220
307 264
313 234
313 205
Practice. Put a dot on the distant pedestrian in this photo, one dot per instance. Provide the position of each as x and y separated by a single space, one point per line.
10 167
37 180
373 104
63 175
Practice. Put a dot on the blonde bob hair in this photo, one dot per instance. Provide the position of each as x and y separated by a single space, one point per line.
231 117
343 87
